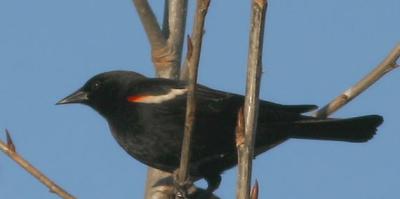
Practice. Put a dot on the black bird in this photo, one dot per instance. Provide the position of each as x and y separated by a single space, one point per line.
146 117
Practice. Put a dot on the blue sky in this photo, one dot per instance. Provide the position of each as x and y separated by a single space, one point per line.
314 49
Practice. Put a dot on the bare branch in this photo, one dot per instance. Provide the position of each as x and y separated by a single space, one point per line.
9 149
166 44
165 25
384 67
254 66
177 23
161 54
174 23
166 62
193 58
155 190
150 24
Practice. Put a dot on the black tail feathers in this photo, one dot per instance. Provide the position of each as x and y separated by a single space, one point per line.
356 129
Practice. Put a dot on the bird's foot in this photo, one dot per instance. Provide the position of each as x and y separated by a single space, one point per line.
181 189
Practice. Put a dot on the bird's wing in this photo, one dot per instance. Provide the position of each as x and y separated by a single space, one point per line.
215 101
156 91
159 90
219 97
303 108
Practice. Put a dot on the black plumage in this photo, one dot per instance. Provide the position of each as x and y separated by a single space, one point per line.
147 115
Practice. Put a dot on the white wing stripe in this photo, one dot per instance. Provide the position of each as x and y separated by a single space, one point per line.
162 98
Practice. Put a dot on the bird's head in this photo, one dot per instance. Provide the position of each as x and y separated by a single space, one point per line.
102 92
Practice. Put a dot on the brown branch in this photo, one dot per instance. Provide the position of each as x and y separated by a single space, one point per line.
193 59
155 190
166 44
387 65
177 23
254 67
9 149
150 24
183 171
165 25
167 61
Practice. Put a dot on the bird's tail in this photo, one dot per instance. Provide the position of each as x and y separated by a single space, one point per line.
356 129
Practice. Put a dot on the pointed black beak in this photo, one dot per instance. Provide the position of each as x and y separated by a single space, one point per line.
76 97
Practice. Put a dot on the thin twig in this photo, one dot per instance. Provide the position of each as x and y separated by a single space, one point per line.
254 67
9 149
387 65
183 173
193 58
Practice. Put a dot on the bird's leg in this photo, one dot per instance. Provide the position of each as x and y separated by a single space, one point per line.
181 189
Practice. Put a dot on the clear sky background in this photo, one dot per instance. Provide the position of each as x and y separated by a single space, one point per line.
314 49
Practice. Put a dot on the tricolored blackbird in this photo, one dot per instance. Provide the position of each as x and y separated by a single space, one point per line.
146 117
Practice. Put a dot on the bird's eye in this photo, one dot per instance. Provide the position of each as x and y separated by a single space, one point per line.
96 85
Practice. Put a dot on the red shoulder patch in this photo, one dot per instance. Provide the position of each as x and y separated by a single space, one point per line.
156 99
137 98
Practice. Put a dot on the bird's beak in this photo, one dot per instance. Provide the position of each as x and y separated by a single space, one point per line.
76 97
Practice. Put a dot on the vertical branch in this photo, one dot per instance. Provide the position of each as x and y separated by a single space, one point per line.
9 149
167 61
154 191
166 44
193 58
387 65
165 25
150 24
254 67
176 24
